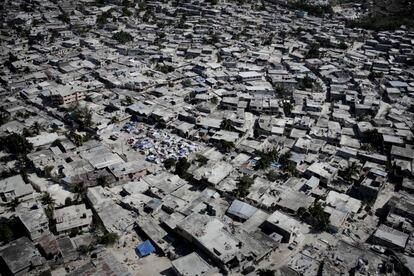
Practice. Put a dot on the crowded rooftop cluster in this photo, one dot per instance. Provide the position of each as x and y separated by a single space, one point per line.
219 137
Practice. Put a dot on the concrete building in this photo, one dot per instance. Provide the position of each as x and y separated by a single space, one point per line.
14 187
72 218
67 94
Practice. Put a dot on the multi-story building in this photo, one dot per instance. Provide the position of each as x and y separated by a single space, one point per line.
66 94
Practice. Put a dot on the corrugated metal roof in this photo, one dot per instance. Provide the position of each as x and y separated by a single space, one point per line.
241 209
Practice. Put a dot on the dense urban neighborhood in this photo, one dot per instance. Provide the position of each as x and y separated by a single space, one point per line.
216 137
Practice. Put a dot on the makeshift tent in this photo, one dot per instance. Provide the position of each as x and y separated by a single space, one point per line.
145 248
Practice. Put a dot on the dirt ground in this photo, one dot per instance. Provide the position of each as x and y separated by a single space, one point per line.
153 264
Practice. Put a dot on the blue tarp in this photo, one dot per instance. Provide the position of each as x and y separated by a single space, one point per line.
145 248
275 165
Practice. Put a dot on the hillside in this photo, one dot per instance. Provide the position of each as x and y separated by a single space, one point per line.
387 15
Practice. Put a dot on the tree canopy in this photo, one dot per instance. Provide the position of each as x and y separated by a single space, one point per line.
243 185
122 37
318 218
266 158
181 167
227 146
108 238
16 144
82 115
169 163
316 10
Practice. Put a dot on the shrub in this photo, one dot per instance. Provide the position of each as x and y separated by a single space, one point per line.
108 238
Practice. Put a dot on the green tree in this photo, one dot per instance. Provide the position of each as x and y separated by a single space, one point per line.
49 202
64 17
373 76
148 15
306 82
47 199
37 128
49 211
313 51
227 146
102 181
266 158
313 9
163 68
169 163
382 22
129 100
269 39
226 125
27 133
201 159
214 100
343 45
23 173
48 170
374 138
279 89
126 12
80 190
16 144
290 168
215 38
77 139
351 171
4 118
272 176
181 167
318 218
6 233
181 22
186 83
68 201
288 165
243 185
287 108
83 115
108 238
122 37
84 249
142 6
102 18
